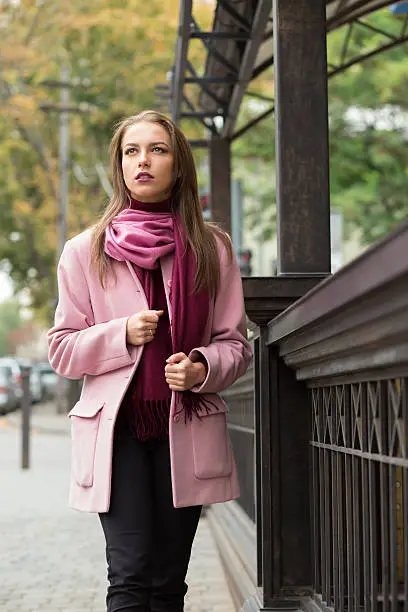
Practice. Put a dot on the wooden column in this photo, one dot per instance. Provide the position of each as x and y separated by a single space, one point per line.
301 134
220 182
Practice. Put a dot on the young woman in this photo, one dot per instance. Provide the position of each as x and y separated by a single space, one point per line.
151 313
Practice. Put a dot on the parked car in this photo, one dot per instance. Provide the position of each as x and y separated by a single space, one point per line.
9 399
49 380
17 378
37 388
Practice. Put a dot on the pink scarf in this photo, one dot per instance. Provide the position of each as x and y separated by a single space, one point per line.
143 235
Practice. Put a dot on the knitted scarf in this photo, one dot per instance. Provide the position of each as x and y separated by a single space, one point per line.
143 234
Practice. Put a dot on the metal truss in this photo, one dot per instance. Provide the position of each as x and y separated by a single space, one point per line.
232 52
390 40
232 48
342 12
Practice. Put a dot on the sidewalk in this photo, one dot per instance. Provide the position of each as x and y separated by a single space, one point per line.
44 419
53 558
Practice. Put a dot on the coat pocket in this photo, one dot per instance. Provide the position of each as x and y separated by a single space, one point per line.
85 418
212 454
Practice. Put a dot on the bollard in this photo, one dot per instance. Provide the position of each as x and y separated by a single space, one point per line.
25 417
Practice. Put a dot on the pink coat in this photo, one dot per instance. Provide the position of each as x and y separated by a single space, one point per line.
89 340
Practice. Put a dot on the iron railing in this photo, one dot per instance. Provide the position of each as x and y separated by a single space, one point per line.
359 492
241 425
347 341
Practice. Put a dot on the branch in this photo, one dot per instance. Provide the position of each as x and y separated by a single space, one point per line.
39 149
35 258
34 23
38 146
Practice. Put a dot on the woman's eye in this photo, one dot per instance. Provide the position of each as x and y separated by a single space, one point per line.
130 151
160 149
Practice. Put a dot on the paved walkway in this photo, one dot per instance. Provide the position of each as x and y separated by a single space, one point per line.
52 558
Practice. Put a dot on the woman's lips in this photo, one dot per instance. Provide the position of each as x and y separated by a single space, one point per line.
144 177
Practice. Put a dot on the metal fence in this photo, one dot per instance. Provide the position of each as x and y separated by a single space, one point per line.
241 425
322 441
347 342
359 493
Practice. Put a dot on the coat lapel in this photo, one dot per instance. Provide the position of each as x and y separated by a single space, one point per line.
167 271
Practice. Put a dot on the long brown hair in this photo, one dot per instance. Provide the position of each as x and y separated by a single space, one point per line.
199 234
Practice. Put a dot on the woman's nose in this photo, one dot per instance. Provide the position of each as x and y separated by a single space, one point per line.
143 159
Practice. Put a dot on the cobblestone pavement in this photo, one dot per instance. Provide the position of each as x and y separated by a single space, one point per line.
52 558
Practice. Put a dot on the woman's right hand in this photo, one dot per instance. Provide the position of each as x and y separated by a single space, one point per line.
141 327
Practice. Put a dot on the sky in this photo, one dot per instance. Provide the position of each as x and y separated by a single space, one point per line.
6 290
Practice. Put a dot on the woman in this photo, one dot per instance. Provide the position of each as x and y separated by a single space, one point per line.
151 313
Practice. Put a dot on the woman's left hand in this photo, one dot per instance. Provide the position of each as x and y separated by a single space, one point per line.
182 373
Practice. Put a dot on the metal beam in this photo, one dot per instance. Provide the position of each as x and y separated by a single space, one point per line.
362 58
394 39
197 144
262 67
190 29
181 57
193 109
220 35
211 51
232 12
258 96
368 26
251 124
357 9
247 65
221 103
208 80
200 115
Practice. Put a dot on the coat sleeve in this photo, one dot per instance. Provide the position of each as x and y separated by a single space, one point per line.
229 353
78 346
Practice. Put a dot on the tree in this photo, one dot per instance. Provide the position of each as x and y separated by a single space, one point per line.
10 321
368 118
120 49
368 135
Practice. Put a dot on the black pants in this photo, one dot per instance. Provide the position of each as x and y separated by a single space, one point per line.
148 541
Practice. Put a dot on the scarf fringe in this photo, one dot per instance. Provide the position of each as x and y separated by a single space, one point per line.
194 403
148 419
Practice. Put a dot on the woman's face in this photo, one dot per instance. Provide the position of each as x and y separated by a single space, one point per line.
147 162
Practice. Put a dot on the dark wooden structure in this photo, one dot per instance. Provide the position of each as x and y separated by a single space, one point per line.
319 424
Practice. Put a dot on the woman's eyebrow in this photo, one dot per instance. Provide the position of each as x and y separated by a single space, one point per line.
134 144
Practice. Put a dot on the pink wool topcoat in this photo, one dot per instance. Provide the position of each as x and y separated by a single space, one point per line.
88 340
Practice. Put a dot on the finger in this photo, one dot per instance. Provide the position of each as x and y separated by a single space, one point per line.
149 333
172 369
176 387
175 379
148 317
152 313
176 370
176 358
